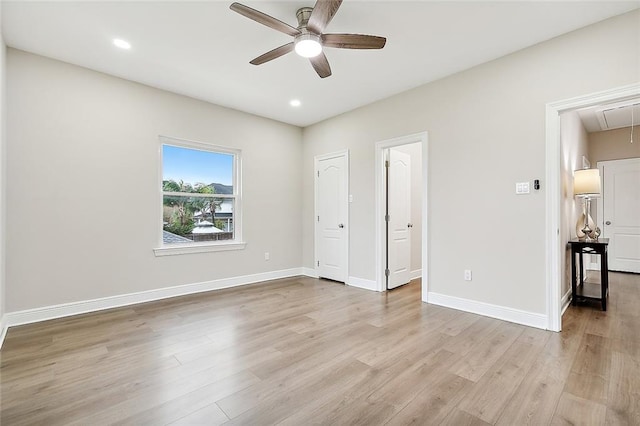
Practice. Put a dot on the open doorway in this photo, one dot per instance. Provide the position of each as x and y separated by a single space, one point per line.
401 241
557 174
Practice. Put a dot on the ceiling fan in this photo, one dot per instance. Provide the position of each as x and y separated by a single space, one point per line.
308 37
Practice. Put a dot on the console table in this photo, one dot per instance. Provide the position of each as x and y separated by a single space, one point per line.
589 291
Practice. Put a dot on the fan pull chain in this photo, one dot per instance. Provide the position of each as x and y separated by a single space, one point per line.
632 108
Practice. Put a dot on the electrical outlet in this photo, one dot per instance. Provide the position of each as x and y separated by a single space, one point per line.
266 255
467 274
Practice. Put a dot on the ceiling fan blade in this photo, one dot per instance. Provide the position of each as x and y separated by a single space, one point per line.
273 54
353 41
321 65
322 14
264 19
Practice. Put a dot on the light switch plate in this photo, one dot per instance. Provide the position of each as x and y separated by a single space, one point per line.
522 188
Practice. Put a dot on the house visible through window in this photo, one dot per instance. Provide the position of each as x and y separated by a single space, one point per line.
200 197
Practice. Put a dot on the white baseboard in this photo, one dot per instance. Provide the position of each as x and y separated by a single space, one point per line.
416 274
362 283
566 299
3 329
494 311
74 308
309 272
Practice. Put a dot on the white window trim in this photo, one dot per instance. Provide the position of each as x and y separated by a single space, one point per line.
186 248
202 247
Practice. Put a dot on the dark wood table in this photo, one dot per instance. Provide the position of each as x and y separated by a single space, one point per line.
589 291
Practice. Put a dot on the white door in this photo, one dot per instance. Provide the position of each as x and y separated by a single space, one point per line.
621 213
332 212
399 211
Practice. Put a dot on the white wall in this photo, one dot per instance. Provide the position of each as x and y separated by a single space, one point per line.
3 51
573 146
83 199
414 150
486 132
614 144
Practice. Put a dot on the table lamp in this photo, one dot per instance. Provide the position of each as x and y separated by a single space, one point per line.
586 184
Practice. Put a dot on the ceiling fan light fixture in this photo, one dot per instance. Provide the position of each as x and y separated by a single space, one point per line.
309 37
308 45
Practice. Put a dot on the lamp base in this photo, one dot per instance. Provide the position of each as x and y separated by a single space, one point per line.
585 228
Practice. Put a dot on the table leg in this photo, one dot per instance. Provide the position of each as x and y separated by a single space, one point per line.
574 299
604 278
581 282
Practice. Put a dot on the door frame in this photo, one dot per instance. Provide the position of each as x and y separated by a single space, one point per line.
381 238
316 245
554 253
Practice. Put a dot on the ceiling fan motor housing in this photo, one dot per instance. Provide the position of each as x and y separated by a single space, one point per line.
303 15
307 44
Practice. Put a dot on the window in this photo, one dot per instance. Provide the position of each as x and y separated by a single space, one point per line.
200 198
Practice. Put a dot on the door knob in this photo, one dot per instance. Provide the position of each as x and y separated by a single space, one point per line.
608 222
409 225
341 225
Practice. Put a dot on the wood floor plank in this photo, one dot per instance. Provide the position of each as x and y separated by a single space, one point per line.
291 375
435 402
472 336
158 405
589 376
573 410
535 400
503 379
484 355
623 402
301 351
404 387
307 397
391 345
462 418
460 323
210 415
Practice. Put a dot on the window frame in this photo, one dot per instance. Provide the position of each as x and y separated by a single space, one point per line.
237 242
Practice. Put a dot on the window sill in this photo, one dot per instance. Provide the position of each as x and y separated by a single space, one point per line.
172 250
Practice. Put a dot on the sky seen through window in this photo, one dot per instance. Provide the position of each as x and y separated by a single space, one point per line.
196 166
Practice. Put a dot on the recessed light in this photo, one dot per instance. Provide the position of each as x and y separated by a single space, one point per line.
122 44
295 103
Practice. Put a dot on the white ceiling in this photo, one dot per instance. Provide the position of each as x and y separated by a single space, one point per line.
202 49
611 116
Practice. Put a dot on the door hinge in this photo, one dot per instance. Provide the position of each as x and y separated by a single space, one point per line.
387 218
318 173
318 218
387 273
318 263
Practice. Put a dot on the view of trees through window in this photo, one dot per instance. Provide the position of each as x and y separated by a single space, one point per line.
198 195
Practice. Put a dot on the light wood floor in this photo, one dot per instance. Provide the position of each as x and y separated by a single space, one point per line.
303 351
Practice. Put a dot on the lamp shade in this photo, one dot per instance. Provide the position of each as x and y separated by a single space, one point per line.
586 182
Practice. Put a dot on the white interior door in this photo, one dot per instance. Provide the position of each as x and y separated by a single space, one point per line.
399 211
621 213
332 205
